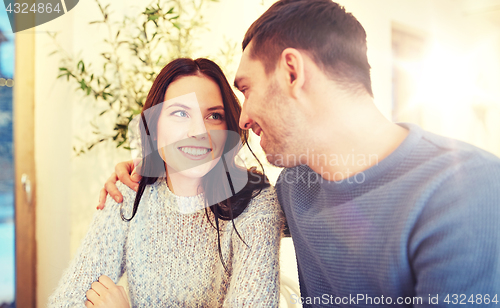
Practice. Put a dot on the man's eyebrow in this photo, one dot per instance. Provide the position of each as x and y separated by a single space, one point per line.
178 105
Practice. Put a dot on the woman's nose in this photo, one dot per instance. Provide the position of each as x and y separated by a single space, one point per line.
197 129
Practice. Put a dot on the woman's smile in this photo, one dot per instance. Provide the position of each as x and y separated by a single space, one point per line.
195 153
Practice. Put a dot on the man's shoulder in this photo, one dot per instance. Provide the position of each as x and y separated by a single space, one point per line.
296 183
293 177
447 172
460 156
455 146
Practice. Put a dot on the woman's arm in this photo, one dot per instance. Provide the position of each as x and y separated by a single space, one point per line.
255 271
101 253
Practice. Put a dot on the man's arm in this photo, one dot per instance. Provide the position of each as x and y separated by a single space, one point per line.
128 174
455 244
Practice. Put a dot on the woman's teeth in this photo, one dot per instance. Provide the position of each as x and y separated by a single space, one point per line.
195 151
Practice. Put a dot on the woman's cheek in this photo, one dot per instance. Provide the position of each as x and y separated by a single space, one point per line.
218 139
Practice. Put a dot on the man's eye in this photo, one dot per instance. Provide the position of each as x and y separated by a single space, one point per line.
180 113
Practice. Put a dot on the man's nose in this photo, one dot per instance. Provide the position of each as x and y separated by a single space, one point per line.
245 121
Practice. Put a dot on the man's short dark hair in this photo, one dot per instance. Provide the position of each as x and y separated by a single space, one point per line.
334 39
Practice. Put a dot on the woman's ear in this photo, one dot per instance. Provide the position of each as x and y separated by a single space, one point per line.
291 65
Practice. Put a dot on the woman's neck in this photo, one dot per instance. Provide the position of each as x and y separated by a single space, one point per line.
182 185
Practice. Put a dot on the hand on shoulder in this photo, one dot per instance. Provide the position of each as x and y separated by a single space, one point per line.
128 173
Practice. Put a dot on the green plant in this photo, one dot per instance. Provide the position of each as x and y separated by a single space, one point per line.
137 48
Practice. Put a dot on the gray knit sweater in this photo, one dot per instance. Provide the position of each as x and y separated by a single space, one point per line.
169 251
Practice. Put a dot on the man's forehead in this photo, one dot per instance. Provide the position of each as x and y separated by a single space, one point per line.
240 73
247 67
246 55
244 61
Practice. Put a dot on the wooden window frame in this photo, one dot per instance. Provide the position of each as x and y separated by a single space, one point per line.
24 164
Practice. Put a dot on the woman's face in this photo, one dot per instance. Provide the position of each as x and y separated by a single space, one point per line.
192 126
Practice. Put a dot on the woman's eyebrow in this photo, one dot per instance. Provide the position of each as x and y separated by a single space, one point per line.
215 108
178 105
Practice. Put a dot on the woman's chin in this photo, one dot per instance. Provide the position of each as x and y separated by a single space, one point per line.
200 170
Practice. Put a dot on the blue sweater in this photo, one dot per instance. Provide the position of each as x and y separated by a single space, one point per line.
420 227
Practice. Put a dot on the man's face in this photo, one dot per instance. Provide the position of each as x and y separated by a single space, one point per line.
266 110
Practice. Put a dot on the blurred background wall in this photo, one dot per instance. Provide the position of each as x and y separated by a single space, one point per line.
434 62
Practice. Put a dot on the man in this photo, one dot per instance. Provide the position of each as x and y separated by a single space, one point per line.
380 213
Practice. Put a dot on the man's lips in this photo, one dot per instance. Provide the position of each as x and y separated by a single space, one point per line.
257 130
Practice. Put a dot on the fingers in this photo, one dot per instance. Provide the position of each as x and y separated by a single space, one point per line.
99 288
105 293
124 170
135 177
136 173
102 199
122 289
106 282
92 296
137 163
110 187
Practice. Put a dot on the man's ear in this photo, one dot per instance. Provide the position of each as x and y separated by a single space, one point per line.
291 66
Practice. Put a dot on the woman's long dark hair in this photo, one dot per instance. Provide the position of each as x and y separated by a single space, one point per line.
152 164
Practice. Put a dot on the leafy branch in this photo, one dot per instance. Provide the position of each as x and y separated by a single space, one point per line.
136 49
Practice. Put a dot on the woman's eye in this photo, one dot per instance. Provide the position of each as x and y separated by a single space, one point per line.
216 116
180 113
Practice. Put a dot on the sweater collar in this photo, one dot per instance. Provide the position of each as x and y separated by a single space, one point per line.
180 204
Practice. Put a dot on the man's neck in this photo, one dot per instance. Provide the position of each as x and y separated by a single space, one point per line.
355 143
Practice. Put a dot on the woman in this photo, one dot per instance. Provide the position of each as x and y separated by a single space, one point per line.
192 235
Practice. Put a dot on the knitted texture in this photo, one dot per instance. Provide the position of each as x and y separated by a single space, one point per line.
169 251
423 223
